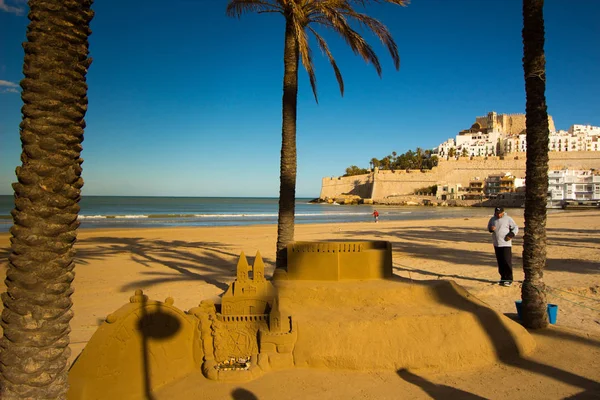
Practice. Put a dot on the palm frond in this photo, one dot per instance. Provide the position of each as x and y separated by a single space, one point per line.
323 46
305 54
380 30
365 3
235 8
334 19
337 15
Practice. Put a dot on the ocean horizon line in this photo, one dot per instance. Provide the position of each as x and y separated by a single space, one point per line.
172 211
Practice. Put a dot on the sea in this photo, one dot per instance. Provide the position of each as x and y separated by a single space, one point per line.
153 212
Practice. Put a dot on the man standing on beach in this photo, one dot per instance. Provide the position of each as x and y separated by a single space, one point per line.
376 215
503 229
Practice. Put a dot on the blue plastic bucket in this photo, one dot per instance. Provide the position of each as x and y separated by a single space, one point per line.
552 310
552 313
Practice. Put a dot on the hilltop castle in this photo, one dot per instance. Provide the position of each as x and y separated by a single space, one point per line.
509 124
502 134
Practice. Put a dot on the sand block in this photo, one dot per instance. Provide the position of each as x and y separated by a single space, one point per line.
339 260
141 347
397 323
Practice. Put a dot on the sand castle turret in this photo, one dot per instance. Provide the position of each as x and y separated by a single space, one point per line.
258 269
248 295
242 269
278 323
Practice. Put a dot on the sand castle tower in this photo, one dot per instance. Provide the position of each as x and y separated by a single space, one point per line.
248 295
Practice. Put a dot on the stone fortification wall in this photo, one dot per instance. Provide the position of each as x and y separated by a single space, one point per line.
574 159
360 185
399 182
388 183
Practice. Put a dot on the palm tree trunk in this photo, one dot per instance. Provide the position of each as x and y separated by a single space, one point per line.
287 177
37 305
536 184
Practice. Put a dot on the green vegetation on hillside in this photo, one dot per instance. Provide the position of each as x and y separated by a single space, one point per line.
418 159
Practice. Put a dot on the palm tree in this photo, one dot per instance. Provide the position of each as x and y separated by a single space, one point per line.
419 158
301 18
384 163
375 162
536 184
37 304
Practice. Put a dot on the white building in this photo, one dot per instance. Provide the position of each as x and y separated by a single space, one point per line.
478 143
569 184
590 135
588 129
482 142
577 138
514 144
443 149
560 141
446 191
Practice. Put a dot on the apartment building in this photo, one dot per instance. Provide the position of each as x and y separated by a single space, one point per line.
573 185
476 189
502 183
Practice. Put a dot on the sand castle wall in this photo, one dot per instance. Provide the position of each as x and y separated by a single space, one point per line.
385 183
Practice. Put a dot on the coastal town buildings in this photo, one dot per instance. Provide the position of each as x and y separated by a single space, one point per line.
449 191
569 184
485 162
502 183
502 134
453 178
577 138
476 189
563 185
490 187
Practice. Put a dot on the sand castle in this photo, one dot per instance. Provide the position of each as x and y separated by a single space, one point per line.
337 306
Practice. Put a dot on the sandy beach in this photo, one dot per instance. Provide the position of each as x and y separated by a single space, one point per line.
193 264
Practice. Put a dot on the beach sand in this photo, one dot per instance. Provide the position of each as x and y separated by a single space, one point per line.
193 264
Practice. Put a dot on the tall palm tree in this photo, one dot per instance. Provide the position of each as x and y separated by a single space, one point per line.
419 158
301 18
375 162
536 184
37 304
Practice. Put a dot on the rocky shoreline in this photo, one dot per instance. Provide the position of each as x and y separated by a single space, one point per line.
401 200
416 200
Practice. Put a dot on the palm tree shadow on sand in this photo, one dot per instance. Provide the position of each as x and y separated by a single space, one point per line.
434 390
506 349
210 262
409 241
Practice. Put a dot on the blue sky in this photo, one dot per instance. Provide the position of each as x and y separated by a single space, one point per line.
184 101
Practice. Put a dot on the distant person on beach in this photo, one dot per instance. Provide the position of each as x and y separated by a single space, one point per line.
503 229
376 216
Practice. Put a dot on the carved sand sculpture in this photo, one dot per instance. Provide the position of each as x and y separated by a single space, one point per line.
338 306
